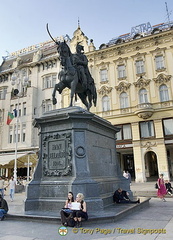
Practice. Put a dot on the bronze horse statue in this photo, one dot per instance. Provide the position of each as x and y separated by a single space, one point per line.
69 78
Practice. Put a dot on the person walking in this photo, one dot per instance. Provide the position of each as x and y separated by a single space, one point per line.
129 177
161 192
12 184
3 208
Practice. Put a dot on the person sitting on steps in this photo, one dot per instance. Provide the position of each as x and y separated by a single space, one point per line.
82 213
65 212
121 196
3 208
169 187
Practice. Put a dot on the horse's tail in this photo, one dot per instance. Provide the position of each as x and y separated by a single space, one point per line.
75 97
94 94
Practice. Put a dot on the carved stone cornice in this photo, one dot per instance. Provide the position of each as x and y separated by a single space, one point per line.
103 64
138 55
120 60
142 82
158 50
162 78
122 86
105 90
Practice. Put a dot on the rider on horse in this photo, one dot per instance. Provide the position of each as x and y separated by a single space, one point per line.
80 62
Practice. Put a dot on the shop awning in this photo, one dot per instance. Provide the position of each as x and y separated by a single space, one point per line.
7 159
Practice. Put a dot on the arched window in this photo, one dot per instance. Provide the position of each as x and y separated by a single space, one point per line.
105 104
124 100
163 91
143 98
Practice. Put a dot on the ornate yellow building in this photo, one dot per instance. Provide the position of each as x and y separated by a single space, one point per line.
134 80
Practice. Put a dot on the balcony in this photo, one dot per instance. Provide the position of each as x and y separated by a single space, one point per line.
144 110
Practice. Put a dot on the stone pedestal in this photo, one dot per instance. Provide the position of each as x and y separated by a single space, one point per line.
78 154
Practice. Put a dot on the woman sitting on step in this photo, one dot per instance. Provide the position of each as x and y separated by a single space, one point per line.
79 210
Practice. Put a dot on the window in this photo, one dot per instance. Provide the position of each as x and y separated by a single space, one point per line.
105 104
53 80
49 106
168 126
103 75
140 67
124 100
143 98
121 71
43 107
125 132
1 115
3 92
10 134
159 62
146 129
18 133
46 106
24 109
19 114
35 111
49 81
163 91
23 132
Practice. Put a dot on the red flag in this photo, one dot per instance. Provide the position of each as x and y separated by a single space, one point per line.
9 118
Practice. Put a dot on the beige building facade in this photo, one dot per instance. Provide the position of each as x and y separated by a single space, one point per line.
134 80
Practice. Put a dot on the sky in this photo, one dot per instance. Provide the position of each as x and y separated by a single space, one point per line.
23 22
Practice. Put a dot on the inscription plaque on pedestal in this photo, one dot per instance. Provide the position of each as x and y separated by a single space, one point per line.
57 155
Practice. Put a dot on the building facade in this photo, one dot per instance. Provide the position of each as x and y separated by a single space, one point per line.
135 87
134 80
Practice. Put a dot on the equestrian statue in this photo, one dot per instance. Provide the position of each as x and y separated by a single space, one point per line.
74 75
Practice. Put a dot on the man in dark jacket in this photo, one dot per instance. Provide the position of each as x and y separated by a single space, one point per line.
3 208
121 196
169 188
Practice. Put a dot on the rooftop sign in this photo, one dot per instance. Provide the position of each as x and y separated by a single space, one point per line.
145 28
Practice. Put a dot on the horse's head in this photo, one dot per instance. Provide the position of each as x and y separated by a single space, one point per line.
63 50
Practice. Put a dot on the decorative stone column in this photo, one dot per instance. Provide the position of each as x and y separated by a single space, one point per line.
162 160
138 157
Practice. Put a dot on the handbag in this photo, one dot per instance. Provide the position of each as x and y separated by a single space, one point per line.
156 186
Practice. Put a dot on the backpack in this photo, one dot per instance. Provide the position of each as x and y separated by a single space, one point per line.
70 221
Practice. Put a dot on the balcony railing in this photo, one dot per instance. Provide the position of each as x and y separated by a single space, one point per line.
144 110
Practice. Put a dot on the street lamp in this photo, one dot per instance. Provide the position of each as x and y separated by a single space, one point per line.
18 80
